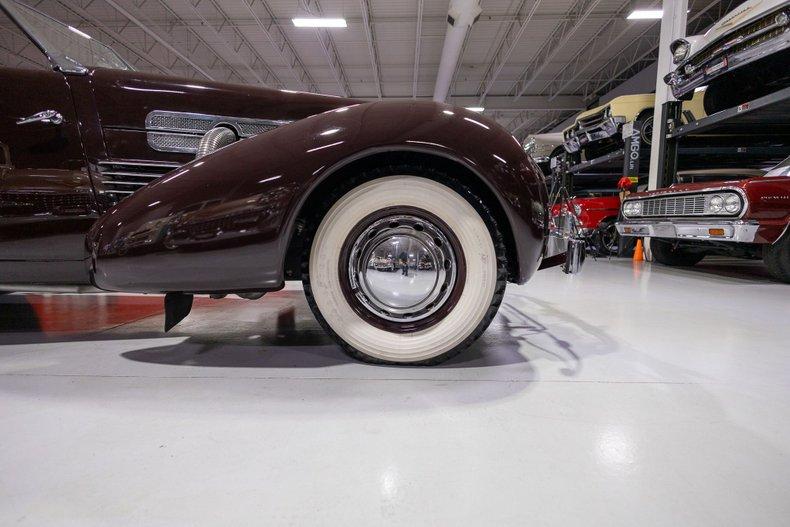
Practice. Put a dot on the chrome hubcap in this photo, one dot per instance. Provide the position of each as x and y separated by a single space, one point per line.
402 268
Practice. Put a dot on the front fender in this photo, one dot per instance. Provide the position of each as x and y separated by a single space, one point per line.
223 223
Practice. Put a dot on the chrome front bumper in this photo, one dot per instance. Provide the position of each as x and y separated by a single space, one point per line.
727 231
603 130
683 83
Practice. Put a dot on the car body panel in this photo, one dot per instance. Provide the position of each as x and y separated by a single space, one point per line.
46 195
592 210
276 172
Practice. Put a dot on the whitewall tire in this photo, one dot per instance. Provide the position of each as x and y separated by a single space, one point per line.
450 270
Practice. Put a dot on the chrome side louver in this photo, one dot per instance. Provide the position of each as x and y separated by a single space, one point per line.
121 178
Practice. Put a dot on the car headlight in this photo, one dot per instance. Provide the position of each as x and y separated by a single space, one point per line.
716 204
680 50
632 208
732 204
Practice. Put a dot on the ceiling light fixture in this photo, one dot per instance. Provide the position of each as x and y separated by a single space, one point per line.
478 109
319 22
645 14
80 33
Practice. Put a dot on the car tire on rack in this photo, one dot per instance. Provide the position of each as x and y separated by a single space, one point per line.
777 258
606 240
670 252
388 319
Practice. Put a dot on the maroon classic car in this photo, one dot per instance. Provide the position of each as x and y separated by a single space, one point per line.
747 217
125 181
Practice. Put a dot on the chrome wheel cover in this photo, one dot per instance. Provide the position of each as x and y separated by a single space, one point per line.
402 268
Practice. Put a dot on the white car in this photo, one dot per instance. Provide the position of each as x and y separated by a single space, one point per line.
741 57
542 147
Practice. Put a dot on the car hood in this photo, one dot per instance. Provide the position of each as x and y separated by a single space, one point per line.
692 187
124 99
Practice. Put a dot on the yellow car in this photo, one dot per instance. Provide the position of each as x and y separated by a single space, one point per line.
598 131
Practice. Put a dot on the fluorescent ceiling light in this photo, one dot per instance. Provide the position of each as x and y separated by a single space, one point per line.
319 22
477 109
80 33
645 14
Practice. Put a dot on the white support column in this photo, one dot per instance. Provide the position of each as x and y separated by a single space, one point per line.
673 26
460 17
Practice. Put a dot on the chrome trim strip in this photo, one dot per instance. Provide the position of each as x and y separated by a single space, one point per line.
141 163
132 174
734 231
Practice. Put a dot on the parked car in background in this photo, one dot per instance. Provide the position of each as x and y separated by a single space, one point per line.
542 147
741 57
746 217
192 187
598 131
596 215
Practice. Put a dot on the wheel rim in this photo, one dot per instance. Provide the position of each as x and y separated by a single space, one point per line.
402 270
647 131
609 238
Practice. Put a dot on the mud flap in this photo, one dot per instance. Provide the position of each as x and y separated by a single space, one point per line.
177 307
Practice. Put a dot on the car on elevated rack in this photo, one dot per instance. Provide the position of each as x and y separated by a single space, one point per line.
125 181
542 147
746 217
599 131
741 57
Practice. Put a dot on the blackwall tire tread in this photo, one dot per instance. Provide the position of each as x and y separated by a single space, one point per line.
466 193
777 258
664 253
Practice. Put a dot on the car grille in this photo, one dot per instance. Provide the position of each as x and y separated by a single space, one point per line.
121 178
674 206
592 120
751 35
72 204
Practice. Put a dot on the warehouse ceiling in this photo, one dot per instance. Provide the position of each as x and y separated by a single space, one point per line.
530 63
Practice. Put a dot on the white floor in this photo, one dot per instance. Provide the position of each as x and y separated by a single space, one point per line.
627 395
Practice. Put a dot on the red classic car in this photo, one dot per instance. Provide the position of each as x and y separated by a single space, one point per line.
596 217
747 217
125 181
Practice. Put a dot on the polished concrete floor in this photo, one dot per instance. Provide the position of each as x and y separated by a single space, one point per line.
627 395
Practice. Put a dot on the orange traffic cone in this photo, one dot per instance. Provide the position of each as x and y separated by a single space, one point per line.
639 251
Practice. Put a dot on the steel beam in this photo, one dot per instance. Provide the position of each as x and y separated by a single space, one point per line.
601 43
157 38
417 38
525 14
281 43
562 33
234 43
370 35
327 44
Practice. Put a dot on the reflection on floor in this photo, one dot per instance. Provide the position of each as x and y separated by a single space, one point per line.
627 394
